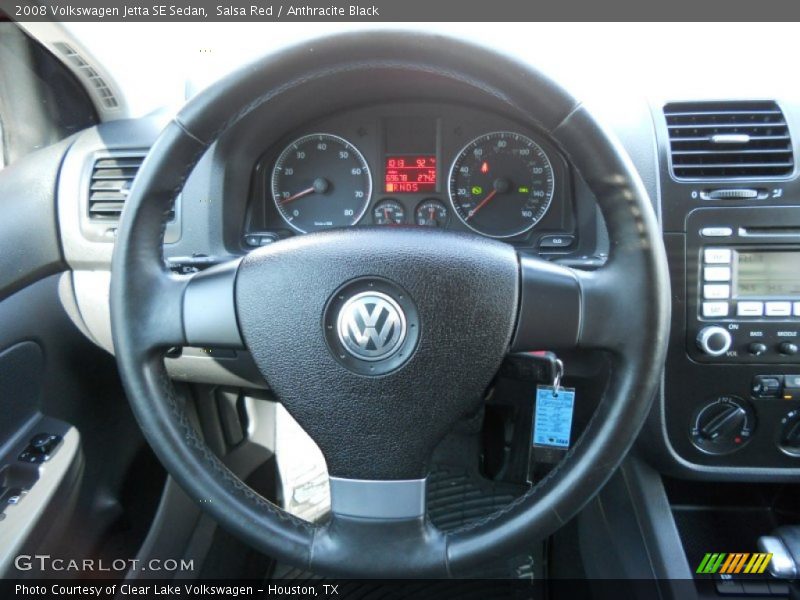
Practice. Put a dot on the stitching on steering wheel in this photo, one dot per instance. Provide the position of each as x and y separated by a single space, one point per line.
228 478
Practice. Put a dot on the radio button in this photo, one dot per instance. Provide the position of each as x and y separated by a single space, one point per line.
750 309
716 232
757 348
788 348
717 256
716 291
715 309
797 309
792 381
717 273
779 309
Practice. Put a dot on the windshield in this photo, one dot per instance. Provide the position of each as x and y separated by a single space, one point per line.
589 58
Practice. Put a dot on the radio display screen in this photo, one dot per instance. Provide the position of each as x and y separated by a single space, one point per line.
767 274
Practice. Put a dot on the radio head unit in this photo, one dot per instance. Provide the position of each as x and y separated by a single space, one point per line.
743 284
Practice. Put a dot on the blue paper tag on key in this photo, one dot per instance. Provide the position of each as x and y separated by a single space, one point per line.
552 423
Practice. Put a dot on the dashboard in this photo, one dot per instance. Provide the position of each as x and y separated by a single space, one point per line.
729 406
415 165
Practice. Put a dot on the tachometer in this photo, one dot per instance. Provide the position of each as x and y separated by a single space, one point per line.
321 181
501 184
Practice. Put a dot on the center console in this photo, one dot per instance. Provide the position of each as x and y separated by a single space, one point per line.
731 396
721 449
743 310
743 265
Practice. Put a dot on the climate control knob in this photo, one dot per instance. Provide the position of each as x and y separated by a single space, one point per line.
714 340
790 433
722 426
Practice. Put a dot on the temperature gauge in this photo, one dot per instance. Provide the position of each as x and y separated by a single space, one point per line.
431 213
389 212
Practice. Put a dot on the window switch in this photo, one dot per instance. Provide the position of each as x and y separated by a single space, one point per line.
11 497
40 448
44 443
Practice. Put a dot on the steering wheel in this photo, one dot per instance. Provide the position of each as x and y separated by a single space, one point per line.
379 341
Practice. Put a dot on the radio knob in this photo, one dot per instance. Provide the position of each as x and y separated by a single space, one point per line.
788 348
714 340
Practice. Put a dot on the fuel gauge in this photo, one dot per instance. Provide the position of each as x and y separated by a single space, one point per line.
431 213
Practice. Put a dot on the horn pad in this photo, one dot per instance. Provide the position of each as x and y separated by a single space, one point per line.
379 340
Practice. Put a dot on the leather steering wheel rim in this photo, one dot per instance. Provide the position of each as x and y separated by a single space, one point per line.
623 308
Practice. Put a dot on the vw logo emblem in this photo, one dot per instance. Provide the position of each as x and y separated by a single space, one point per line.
371 326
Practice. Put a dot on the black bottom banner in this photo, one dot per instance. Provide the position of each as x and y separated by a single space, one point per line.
346 589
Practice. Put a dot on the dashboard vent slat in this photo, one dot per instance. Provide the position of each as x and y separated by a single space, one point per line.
109 185
728 139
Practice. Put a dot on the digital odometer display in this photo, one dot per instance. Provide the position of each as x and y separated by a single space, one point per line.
767 274
410 174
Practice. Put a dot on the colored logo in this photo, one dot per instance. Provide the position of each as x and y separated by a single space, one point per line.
734 562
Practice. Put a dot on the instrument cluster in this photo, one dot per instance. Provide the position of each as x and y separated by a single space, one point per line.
422 165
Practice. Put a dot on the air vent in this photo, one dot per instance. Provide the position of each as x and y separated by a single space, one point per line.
728 139
101 89
109 186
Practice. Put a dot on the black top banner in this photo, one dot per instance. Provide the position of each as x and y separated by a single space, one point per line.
406 10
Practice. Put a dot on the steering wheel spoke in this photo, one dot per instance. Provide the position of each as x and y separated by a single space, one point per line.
562 308
378 499
550 307
195 310
352 546
378 521
209 310
607 316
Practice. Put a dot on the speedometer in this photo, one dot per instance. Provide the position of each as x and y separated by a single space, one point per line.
321 181
501 184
